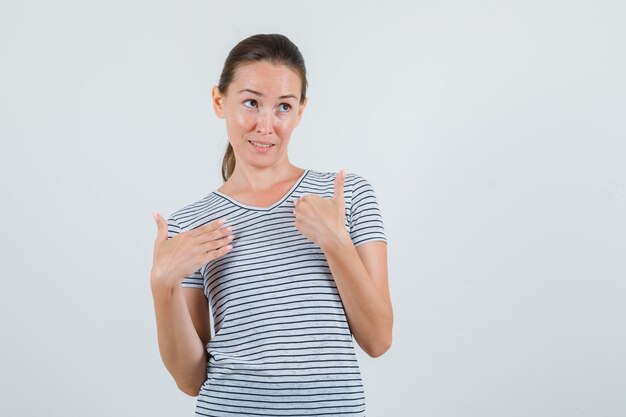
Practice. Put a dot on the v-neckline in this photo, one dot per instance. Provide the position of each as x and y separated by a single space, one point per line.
276 204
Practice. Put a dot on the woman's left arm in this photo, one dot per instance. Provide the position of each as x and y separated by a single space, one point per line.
360 272
361 277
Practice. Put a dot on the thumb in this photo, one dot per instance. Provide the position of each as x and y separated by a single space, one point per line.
340 180
161 227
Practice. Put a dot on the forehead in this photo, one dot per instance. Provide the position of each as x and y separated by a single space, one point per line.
266 78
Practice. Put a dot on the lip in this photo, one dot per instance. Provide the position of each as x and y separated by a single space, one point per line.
261 149
261 142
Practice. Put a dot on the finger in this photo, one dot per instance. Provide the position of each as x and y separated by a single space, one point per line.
302 198
216 243
209 227
161 227
340 180
217 249
214 235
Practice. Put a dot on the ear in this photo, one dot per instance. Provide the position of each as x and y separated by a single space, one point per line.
218 102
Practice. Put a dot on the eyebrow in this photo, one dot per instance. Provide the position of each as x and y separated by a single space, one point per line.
260 94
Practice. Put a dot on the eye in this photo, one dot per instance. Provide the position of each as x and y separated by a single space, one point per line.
250 99
286 104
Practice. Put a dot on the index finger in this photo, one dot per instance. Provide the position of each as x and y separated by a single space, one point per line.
211 226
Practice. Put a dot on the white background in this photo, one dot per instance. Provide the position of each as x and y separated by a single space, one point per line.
493 133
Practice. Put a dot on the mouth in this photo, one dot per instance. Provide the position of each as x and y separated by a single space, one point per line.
261 147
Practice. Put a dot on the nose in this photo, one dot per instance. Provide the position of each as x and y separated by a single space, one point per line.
264 124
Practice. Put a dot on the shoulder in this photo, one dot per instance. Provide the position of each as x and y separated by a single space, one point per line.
354 182
196 213
315 175
329 176
354 179
359 194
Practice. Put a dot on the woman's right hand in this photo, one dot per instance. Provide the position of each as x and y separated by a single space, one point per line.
182 255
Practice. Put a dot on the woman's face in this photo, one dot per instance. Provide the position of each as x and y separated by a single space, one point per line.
262 105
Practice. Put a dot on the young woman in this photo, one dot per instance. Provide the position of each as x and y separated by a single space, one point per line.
291 261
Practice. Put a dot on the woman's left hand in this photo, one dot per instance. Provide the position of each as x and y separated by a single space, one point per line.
322 219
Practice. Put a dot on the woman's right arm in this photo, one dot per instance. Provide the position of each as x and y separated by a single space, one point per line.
181 347
182 315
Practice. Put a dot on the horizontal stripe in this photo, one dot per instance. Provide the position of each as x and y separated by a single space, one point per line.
281 344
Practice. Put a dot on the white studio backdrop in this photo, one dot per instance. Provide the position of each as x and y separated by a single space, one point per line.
494 136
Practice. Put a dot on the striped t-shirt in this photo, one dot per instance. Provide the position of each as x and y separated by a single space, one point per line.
282 345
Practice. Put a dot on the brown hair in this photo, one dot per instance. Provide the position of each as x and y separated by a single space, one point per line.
276 49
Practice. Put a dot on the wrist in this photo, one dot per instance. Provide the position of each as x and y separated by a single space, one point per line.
163 282
336 241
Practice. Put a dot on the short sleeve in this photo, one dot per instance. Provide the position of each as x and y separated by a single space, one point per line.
193 281
366 221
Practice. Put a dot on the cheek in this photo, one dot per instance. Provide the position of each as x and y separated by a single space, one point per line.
285 124
243 120
239 125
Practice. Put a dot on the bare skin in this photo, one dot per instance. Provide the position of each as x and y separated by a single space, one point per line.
360 273
182 315
262 104
260 179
